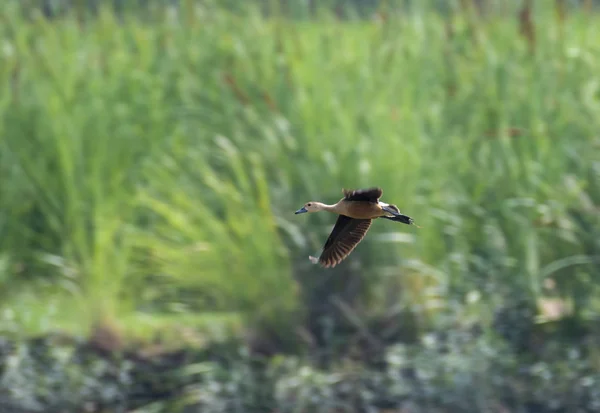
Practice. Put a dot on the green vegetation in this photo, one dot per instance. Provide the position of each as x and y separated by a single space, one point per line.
151 167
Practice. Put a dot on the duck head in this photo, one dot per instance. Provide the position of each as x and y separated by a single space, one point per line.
311 207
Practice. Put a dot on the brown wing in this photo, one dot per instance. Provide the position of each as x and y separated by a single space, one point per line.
344 237
369 194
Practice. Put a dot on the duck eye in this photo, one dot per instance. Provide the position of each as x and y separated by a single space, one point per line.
309 204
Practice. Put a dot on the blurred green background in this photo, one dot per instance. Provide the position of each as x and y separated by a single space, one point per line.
152 155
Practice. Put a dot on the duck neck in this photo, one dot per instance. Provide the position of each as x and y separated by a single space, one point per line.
327 207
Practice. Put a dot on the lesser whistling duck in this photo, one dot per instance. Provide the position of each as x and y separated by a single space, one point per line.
356 211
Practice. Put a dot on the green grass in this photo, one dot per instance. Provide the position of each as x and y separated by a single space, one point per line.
154 166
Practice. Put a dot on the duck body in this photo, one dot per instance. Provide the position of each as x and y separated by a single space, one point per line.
356 211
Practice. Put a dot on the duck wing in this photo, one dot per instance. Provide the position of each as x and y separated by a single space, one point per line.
344 237
368 195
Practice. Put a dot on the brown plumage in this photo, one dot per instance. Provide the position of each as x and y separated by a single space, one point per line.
356 211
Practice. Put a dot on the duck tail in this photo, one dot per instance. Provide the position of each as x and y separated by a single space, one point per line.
405 219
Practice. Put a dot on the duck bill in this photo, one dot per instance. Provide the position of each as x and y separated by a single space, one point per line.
301 211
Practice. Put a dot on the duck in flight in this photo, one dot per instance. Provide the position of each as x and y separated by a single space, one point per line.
356 210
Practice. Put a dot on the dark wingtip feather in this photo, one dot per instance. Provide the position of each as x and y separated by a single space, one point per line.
368 194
